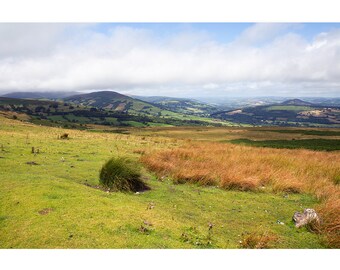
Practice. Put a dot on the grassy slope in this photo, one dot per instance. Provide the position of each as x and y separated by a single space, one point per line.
313 144
307 132
85 217
288 108
136 107
231 133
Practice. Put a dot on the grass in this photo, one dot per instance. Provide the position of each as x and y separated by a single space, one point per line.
51 205
258 240
313 144
222 134
306 132
235 167
246 168
122 174
289 108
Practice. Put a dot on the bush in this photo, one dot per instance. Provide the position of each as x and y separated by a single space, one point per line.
122 174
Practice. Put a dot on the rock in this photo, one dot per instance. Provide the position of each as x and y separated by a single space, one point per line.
308 216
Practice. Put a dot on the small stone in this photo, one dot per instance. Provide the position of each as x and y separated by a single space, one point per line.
308 216
280 222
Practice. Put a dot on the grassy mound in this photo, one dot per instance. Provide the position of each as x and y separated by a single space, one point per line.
122 174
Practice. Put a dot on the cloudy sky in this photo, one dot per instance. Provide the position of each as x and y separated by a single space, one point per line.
188 60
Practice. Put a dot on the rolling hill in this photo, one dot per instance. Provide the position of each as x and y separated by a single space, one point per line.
293 112
296 102
114 101
87 110
181 105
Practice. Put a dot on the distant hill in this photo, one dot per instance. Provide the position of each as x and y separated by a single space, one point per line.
296 102
158 99
293 112
181 105
114 101
40 95
130 113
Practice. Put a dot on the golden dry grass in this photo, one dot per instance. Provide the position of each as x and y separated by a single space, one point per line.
258 240
247 168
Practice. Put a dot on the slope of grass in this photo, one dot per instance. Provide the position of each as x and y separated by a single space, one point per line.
313 144
288 108
234 167
306 132
52 202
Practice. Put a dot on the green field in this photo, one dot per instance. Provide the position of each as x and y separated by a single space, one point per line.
48 203
313 144
288 108
306 132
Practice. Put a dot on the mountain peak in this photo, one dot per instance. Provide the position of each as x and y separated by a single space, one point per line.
297 102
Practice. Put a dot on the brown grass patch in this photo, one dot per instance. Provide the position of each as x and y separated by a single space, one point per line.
330 220
258 240
248 168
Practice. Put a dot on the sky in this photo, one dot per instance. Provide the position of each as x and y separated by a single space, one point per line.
173 59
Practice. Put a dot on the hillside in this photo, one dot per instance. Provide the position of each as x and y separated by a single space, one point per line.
50 198
294 112
114 101
296 102
68 114
181 105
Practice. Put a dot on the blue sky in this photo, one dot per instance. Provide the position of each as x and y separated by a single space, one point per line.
221 32
175 59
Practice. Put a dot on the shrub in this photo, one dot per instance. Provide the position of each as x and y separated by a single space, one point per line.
122 174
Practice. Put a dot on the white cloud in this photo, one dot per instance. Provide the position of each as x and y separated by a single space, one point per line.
261 32
75 57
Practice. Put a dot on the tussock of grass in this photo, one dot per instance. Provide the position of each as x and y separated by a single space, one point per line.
246 168
122 174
